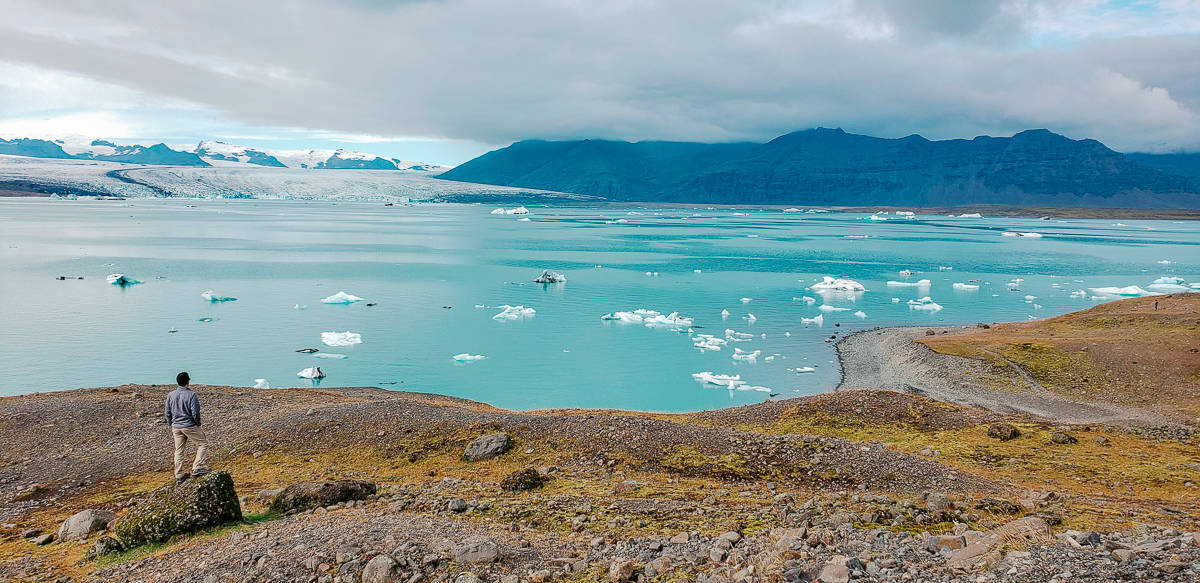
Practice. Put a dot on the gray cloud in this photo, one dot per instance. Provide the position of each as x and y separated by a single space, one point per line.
705 70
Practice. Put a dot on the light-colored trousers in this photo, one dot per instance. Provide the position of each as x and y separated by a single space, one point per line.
182 437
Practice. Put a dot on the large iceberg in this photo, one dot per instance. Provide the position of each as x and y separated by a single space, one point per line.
214 298
122 280
1127 291
548 276
341 298
341 338
926 303
837 284
1170 285
514 313
311 373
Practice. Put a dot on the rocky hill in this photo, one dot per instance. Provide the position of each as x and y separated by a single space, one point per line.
831 167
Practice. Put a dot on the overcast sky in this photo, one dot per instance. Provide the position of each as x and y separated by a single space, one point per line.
443 81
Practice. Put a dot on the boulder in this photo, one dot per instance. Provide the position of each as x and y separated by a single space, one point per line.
1003 431
202 502
381 569
457 505
307 495
983 552
997 506
1063 438
835 571
83 524
467 578
620 571
44 539
487 447
477 551
945 541
105 545
521 480
936 502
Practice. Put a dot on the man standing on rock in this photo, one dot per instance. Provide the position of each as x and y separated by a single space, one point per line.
183 415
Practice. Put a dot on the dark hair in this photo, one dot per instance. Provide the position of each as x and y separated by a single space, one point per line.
182 379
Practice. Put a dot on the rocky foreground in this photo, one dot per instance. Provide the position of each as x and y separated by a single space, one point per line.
367 485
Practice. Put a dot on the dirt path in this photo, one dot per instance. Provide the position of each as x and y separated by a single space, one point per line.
888 358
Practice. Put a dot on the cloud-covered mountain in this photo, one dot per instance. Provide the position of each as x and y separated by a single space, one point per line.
831 167
207 153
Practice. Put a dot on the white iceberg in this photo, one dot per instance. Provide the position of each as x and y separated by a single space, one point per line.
708 342
616 222
746 300
926 303
746 356
498 211
721 380
122 280
861 315
514 313
261 384
905 272
829 308
650 318
513 211
467 357
750 317
819 320
1128 291
906 213
724 314
965 286
1024 235
524 220
214 298
837 284
548 276
1168 279
1030 298
341 298
1169 288
341 338
311 373
735 336
970 216
299 307
1078 294
877 218
330 355
803 369
919 283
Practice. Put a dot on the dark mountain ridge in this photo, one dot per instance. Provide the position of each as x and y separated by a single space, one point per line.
831 167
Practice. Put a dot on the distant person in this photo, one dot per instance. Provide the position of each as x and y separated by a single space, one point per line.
183 415
1155 305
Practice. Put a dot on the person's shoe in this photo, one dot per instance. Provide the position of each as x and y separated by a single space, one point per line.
200 472
182 479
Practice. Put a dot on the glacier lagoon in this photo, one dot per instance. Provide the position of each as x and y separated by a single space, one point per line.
426 267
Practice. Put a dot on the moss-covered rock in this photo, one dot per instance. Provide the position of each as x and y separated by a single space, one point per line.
520 480
199 503
306 495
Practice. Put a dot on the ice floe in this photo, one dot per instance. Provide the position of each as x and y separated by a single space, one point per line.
970 216
330 355
214 298
514 312
513 211
750 317
919 283
1023 235
802 369
261 384
819 320
314 372
965 286
829 308
341 338
746 356
524 220
861 315
735 336
708 342
1170 285
806 299
837 284
1128 291
122 280
468 357
1078 294
926 303
746 300
721 380
650 318
548 276
341 298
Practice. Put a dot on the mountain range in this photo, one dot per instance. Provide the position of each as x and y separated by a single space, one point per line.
206 153
831 167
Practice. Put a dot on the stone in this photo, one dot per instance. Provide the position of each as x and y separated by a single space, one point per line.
1003 431
626 487
202 502
45 539
309 495
1063 438
1089 538
1123 556
477 551
467 578
997 506
1100 440
265 497
936 502
522 480
381 569
457 505
541 576
983 552
105 545
936 543
620 571
487 447
83 524
680 539
835 571
731 536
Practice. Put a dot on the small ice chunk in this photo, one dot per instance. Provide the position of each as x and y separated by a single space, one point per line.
341 338
548 276
721 380
708 342
970 216
819 320
837 284
517 211
877 218
498 212
966 286
468 357
1078 294
330 355
299 307
1163 262
524 220
746 356
861 315
514 313
735 336
697 271
945 268
920 283
926 303
895 300
806 299
905 272
750 317
214 298
724 314
311 373
803 369
829 308
746 300
341 298
261 384
1023 235
122 280
1030 298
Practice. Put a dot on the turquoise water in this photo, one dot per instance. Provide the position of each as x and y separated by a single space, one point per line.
412 261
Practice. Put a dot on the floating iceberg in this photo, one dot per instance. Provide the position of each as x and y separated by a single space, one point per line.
970 216
746 356
210 296
299 307
122 280
906 213
498 211
548 276
467 357
861 315
1168 279
724 314
341 338
965 286
735 336
1025 235
1170 285
341 298
311 373
806 299
1128 291
261 384
1030 298
750 317
905 272
829 308
330 355
837 284
920 283
877 218
746 300
803 369
514 313
650 318
513 211
819 320
1078 294
721 380
524 219
926 303
945 268
708 342
616 222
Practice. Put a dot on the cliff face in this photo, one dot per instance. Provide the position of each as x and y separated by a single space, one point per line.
824 166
